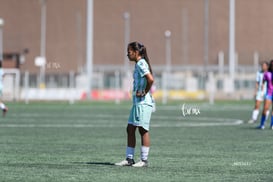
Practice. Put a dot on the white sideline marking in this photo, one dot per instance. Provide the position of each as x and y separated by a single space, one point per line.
169 125
108 117
236 122
204 107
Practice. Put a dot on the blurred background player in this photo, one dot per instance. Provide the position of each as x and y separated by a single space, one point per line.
268 78
2 105
260 92
142 106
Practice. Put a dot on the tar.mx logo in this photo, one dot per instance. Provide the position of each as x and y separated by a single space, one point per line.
241 163
189 110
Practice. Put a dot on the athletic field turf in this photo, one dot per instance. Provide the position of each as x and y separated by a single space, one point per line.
61 142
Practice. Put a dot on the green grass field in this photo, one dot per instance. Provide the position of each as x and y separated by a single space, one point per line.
80 142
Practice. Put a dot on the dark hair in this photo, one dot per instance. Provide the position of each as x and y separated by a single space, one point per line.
266 63
136 46
270 69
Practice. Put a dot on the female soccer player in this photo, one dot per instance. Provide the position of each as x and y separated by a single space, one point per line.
2 105
268 78
260 92
141 111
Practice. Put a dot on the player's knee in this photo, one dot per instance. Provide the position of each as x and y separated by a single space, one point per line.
142 131
130 129
265 111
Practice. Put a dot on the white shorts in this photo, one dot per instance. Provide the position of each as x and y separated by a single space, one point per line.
260 96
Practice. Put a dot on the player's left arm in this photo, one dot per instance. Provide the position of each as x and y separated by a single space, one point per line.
150 81
144 71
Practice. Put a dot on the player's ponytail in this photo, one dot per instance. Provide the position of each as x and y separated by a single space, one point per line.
136 46
145 56
270 69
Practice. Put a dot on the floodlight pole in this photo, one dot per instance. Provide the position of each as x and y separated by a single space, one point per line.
1 38
232 39
206 34
166 73
43 41
185 35
126 17
89 46
168 51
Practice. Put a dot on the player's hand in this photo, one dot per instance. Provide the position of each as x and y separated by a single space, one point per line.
140 93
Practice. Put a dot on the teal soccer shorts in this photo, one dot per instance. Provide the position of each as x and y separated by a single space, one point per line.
140 115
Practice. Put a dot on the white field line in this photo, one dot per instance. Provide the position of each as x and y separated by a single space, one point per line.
225 122
231 123
207 107
86 117
110 117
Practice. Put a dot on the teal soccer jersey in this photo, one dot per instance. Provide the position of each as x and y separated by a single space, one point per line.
140 82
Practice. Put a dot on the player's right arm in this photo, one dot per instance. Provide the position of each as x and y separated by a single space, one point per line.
257 83
265 78
257 87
